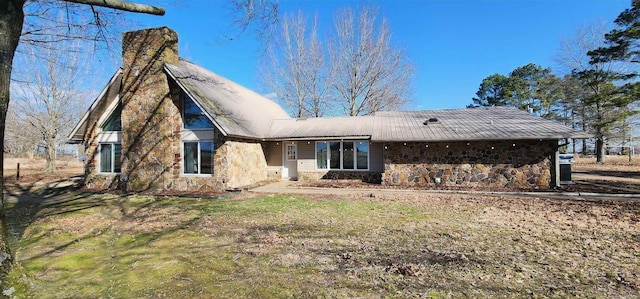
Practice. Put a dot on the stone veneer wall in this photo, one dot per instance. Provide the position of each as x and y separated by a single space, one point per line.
93 179
240 163
364 176
516 164
150 119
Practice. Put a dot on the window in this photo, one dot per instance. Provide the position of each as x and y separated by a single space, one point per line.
321 155
342 155
292 153
334 155
114 122
110 157
362 154
198 157
193 116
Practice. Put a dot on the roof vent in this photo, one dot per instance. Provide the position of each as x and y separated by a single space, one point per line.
432 120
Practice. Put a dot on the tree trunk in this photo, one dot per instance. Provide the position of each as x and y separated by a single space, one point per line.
50 156
600 148
11 19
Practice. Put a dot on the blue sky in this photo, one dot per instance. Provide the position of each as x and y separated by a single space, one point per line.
453 44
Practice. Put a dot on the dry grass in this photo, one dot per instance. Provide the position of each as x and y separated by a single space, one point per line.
31 170
612 163
418 245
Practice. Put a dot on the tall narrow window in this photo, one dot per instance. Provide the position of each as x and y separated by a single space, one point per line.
362 154
198 157
193 116
321 155
347 155
334 155
110 154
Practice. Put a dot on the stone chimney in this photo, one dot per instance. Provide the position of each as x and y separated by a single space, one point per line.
150 118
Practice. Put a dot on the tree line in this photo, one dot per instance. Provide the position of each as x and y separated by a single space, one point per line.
596 89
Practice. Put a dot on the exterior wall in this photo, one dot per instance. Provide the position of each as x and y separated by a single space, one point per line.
273 153
151 122
203 183
307 165
152 129
376 157
516 164
240 163
94 179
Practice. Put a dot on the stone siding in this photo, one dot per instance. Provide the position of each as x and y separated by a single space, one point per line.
150 119
240 163
364 176
514 164
93 179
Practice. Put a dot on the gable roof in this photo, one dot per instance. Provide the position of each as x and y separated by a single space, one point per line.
234 109
98 108
486 123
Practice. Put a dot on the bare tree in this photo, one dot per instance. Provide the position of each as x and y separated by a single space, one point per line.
13 14
368 73
594 111
19 140
46 101
295 67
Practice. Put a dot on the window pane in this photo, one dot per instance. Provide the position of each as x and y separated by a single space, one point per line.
117 152
363 155
321 155
334 155
347 155
206 157
191 157
291 152
105 157
194 118
114 123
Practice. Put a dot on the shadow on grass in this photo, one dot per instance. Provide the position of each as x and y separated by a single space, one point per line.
31 202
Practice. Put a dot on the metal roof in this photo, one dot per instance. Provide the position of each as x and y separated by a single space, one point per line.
485 123
238 111
235 110
332 127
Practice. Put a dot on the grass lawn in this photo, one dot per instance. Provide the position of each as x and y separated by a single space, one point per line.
75 245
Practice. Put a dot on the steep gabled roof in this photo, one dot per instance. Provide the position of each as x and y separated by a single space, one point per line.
98 108
234 109
490 123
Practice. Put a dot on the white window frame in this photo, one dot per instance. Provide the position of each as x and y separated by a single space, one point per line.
182 155
341 151
295 153
113 158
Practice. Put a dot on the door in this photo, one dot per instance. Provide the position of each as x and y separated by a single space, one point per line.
290 158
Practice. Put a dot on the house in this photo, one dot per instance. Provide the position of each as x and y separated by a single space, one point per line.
163 123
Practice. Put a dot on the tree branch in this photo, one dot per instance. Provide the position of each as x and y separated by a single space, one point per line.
123 5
